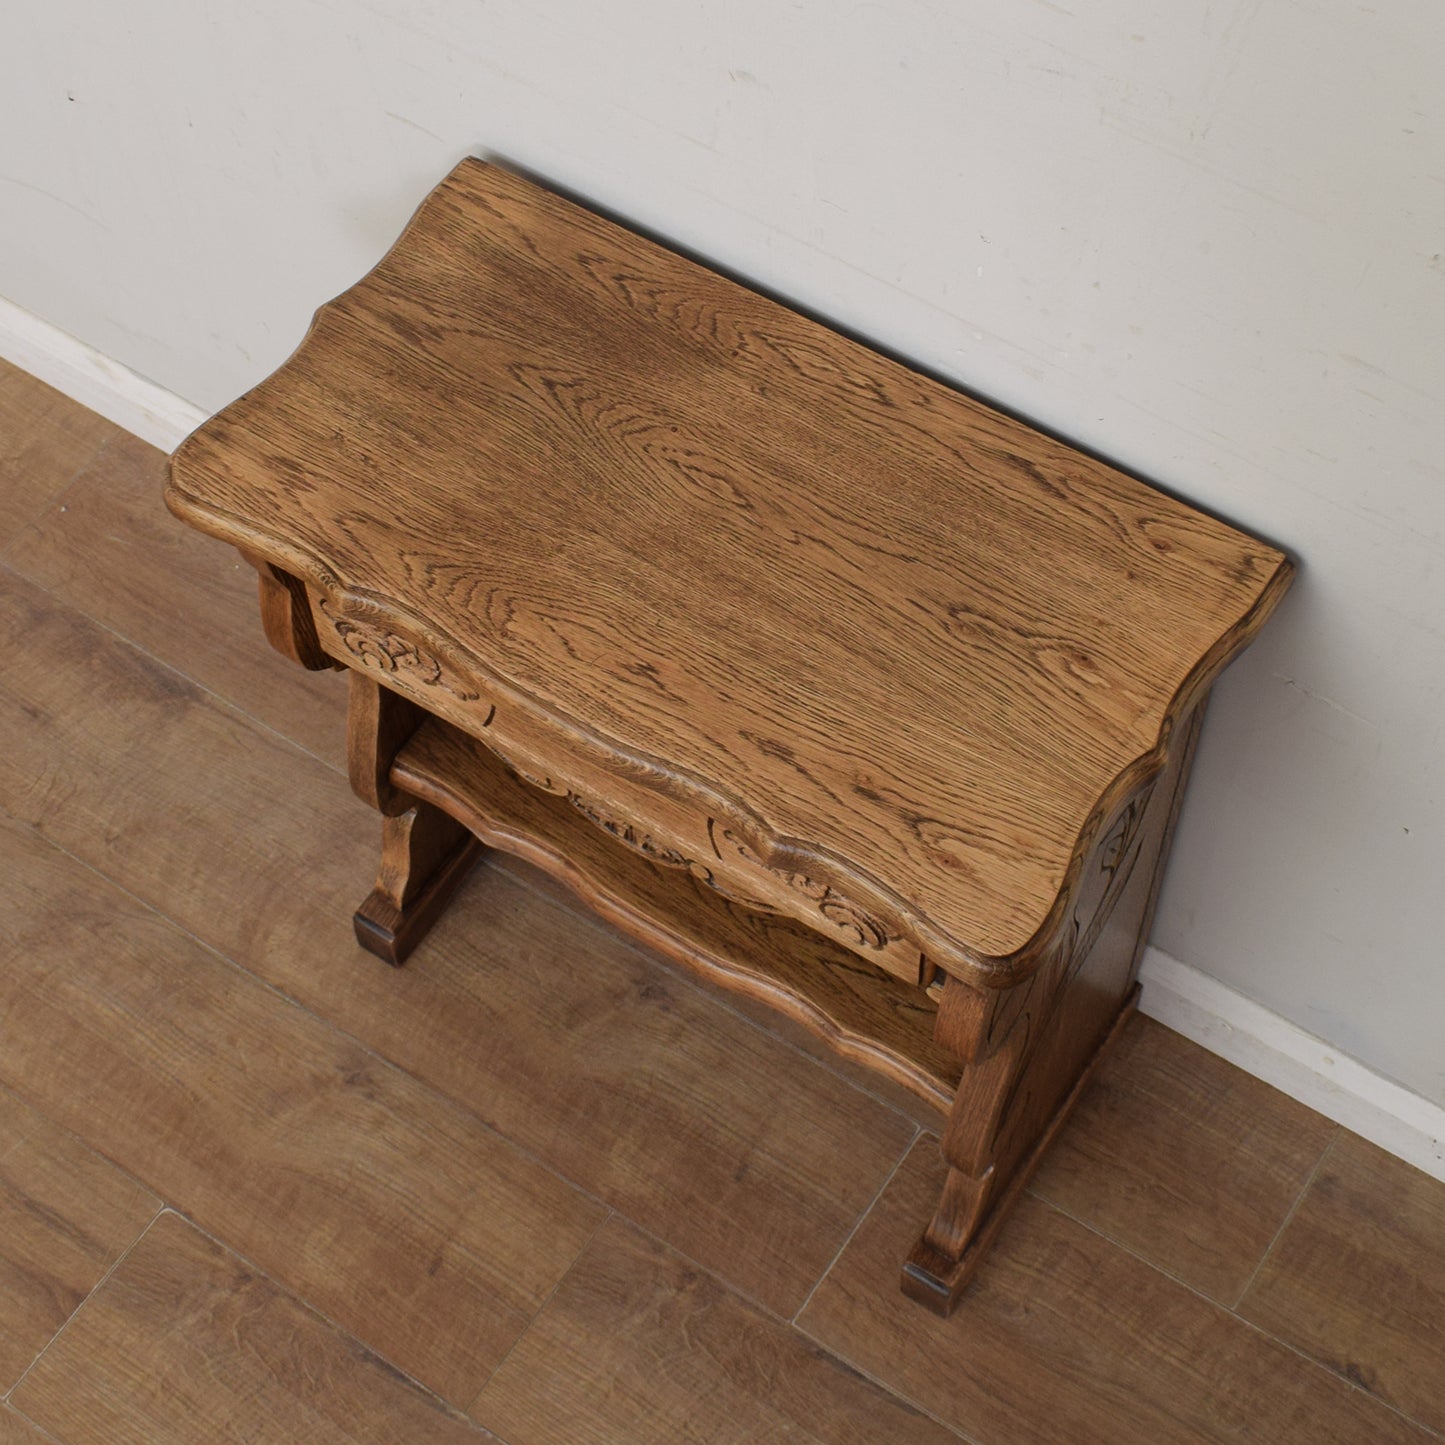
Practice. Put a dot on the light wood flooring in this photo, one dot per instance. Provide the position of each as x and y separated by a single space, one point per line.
538 1186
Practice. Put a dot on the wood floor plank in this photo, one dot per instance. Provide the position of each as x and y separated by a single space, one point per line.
388 1208
185 1343
112 550
45 438
17 1431
707 1131
1358 1278
639 1345
66 1215
1065 1336
1185 1159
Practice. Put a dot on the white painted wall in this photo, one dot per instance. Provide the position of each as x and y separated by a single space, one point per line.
1206 239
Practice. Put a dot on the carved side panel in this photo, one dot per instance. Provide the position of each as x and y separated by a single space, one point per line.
386 652
858 928
639 841
736 872
1111 867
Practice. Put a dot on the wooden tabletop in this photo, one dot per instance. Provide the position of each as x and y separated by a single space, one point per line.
889 634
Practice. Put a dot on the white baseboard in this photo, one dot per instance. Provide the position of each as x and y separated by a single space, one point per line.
120 395
1295 1062
1192 1003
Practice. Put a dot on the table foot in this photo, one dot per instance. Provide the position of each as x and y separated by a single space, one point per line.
425 855
935 1277
934 1280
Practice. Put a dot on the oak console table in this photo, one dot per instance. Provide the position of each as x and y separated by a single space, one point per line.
810 671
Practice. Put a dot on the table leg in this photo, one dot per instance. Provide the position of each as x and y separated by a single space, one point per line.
980 1191
1031 1049
425 853
286 616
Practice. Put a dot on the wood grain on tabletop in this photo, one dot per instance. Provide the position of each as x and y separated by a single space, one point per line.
187 1343
116 553
1184 1159
1064 1326
1357 1279
45 438
66 1215
388 1208
640 1345
704 1129
841 602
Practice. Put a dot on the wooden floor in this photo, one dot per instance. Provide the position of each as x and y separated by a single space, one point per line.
538 1186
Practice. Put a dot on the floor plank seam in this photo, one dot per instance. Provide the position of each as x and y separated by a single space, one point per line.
524 1150
1232 1311
1313 1364
610 1211
858 1224
38 1428
892 1391
751 1300
9 565
70 1133
1359 1389
790 1324
1135 1254
536 1315
119 1260
58 496
287 1292
1287 1344
1287 1221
